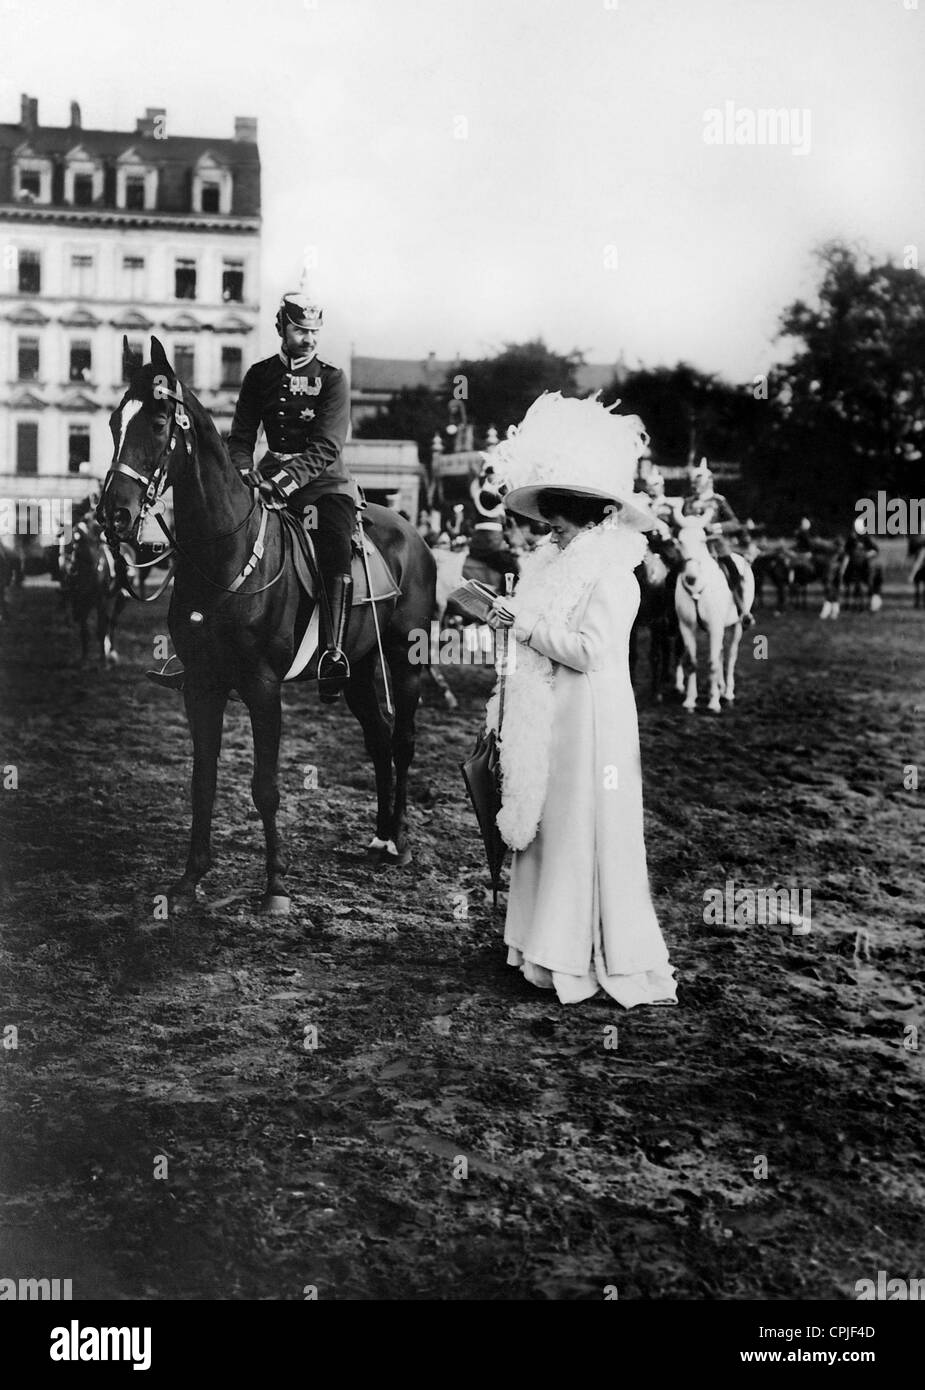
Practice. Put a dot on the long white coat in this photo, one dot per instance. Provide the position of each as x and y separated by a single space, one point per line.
583 880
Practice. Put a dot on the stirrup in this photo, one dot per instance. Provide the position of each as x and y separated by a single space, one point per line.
333 674
168 680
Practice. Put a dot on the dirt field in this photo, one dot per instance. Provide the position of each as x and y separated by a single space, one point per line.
169 1134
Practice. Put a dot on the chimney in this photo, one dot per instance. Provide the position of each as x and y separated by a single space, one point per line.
153 124
29 109
75 116
245 128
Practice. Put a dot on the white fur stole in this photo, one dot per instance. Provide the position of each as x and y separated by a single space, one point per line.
553 583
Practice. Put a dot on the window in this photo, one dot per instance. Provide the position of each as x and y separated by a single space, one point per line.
30 181
78 447
30 272
185 280
136 346
27 447
28 359
231 366
211 197
80 361
233 282
135 191
82 274
133 269
83 190
184 362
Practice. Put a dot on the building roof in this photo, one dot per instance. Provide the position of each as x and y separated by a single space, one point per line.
174 156
391 374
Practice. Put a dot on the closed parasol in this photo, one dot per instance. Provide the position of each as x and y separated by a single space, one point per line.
482 775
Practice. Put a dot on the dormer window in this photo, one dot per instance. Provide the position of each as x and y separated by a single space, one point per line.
135 193
211 185
31 176
136 183
83 178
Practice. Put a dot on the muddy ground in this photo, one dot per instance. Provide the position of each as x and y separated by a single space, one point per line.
168 1133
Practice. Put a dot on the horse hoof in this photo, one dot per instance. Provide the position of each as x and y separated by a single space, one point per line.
396 859
181 899
691 709
275 905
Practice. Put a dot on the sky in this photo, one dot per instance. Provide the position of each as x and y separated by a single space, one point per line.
459 174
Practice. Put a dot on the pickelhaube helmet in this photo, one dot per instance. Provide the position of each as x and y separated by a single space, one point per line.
299 309
701 473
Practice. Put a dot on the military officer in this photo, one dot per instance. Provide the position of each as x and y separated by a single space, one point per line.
303 405
719 519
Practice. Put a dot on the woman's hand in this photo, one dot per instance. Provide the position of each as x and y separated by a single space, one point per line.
503 612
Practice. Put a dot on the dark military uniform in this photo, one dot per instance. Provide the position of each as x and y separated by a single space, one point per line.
713 510
305 413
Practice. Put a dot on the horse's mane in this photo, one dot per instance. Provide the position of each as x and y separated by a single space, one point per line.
142 387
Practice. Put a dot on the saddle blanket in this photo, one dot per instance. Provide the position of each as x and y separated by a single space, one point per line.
381 586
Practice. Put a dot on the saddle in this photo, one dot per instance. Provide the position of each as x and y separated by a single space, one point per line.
382 584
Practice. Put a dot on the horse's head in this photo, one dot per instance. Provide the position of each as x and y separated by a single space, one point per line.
692 548
146 426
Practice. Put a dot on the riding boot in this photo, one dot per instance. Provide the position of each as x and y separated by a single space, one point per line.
735 584
333 666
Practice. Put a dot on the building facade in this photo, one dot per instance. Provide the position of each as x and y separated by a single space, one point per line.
112 233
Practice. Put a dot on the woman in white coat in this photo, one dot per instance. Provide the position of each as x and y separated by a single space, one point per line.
580 916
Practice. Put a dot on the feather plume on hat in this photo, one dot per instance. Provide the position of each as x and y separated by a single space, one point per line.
577 446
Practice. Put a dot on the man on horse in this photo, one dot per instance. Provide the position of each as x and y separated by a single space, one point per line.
719 520
303 405
488 546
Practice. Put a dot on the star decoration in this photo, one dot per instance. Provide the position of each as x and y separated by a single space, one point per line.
307 414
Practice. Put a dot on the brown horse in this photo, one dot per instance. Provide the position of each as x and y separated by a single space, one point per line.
238 613
93 589
10 573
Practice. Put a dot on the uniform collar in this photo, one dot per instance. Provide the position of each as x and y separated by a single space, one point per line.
300 364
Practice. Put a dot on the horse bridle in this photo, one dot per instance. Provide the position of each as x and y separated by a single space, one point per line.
155 484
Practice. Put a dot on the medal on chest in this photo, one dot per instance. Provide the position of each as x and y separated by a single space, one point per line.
303 385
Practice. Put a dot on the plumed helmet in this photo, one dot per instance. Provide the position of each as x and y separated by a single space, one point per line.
701 474
299 309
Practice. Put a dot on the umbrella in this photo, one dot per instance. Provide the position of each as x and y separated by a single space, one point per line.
482 775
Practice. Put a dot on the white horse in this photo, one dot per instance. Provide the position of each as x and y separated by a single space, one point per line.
703 600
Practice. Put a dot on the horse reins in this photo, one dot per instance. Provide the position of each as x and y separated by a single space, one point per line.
154 487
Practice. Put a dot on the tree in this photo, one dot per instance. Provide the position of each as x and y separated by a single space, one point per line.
415 412
850 405
500 389
686 411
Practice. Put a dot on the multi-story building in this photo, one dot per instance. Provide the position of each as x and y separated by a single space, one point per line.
111 233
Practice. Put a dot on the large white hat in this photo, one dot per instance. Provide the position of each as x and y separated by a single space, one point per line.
577 446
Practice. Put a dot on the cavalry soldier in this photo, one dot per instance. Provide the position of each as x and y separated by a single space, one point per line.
304 407
487 544
719 518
